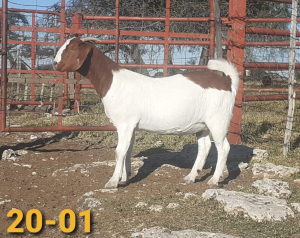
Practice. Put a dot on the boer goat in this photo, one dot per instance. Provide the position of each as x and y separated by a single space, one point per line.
193 103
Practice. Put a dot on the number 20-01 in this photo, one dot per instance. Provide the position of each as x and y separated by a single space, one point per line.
39 221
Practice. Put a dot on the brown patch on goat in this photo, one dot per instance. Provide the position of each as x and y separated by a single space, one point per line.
93 64
209 79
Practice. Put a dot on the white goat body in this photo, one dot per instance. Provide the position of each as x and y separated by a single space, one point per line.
192 103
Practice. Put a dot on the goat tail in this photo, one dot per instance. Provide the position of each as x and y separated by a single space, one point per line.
228 69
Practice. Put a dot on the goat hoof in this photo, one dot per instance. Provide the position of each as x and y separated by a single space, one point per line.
123 182
188 180
212 182
110 185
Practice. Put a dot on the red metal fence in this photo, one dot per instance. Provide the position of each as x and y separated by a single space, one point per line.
235 44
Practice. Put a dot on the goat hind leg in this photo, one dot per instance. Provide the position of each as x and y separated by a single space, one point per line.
223 148
204 145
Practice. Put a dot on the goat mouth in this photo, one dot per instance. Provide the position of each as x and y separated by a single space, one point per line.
55 65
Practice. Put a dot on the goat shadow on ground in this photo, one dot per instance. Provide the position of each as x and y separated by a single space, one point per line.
38 144
158 157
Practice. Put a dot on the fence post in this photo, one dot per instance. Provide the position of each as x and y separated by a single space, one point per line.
236 44
77 24
291 82
4 64
166 43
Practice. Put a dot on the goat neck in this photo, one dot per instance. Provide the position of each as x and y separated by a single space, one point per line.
98 68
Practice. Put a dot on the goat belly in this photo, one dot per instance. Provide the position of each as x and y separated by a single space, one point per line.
163 129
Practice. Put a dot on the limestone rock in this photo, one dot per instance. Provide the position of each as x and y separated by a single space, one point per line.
4 201
141 204
89 203
9 154
259 155
23 165
257 207
82 168
270 170
172 205
189 195
156 208
297 181
296 206
273 187
160 232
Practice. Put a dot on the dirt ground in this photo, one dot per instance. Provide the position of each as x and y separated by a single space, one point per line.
158 183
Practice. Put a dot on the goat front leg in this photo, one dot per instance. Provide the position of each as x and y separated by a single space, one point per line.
125 135
127 166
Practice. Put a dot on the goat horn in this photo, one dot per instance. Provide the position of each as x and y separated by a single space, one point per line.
90 39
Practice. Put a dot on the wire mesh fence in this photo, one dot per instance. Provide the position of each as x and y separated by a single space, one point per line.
264 120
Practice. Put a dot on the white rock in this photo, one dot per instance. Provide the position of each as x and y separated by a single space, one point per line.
259 154
257 207
158 143
173 205
87 194
5 201
297 181
73 168
170 166
233 166
189 195
156 208
296 206
243 166
21 152
270 170
273 187
33 137
141 204
160 232
23 165
89 203
106 190
34 173
9 154
26 165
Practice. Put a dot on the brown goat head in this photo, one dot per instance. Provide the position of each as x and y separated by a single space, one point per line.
72 55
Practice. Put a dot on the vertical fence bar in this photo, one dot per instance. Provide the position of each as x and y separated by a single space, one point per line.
166 45
77 24
236 44
291 82
117 31
4 64
33 55
60 103
212 30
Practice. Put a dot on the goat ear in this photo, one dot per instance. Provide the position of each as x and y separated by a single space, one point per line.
75 55
83 50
